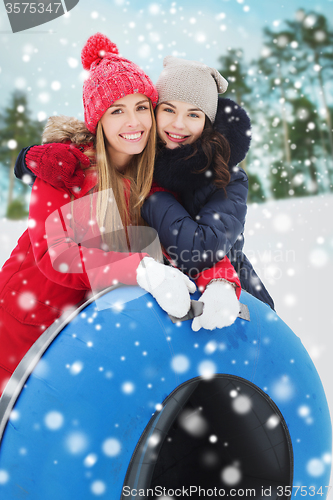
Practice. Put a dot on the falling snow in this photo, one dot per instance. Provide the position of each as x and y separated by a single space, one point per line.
180 363
315 467
207 369
90 460
242 404
111 447
193 423
290 242
76 443
231 475
4 477
76 368
54 420
283 389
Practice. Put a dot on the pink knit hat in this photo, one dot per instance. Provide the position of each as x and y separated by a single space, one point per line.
111 77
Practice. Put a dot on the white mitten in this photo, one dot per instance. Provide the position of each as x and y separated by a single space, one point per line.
169 286
221 307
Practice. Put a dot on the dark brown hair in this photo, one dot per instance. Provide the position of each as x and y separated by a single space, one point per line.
217 151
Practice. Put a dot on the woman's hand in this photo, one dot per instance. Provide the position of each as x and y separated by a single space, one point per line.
58 164
169 286
221 306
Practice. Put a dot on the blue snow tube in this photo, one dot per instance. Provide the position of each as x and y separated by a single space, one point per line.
122 403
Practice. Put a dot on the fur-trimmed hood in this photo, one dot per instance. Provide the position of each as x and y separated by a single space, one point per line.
233 122
175 172
65 128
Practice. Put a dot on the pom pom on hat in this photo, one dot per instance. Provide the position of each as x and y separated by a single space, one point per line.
111 77
95 48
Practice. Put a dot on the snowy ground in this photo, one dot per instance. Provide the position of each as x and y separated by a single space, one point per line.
290 244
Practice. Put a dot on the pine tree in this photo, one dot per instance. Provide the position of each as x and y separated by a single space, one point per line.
18 130
270 65
284 63
312 31
235 71
256 191
304 136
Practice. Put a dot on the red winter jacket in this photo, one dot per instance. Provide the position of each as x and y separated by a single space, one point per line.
47 272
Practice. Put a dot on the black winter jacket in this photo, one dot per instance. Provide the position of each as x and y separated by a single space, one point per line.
207 224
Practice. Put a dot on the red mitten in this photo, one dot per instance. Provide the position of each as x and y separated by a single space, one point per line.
58 164
224 270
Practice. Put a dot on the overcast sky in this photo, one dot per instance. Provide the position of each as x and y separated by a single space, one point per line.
45 61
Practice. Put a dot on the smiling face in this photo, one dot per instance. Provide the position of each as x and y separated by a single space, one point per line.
126 125
179 123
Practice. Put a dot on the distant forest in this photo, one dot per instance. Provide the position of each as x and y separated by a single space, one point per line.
286 93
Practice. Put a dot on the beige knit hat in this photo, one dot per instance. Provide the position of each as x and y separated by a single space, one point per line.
192 82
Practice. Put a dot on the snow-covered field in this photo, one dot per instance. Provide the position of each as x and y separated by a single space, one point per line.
290 244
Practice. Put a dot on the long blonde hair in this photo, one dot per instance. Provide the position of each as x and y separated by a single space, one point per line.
136 180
